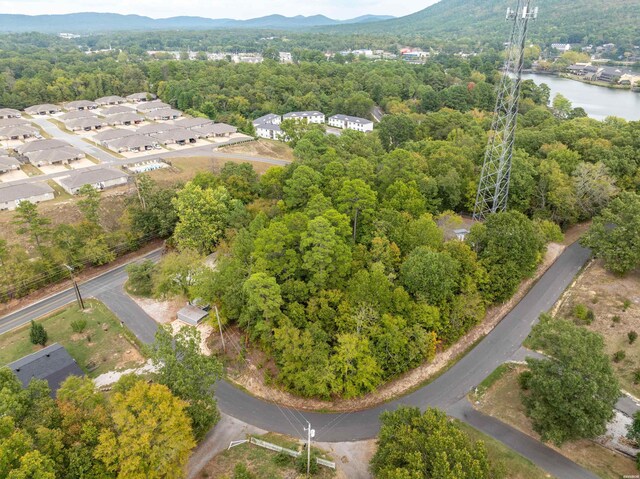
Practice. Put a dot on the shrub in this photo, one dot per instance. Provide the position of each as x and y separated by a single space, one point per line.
79 325
301 462
523 380
619 356
141 278
584 314
595 300
241 472
625 304
636 376
632 335
590 316
616 319
282 459
37 334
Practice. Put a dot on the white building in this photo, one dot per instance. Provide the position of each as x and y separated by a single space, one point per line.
269 119
12 194
351 123
270 132
308 116
285 57
561 47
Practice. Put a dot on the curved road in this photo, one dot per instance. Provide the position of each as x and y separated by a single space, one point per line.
446 392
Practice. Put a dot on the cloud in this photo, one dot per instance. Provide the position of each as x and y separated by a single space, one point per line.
340 9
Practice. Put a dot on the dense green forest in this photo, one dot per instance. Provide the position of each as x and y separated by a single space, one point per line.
582 21
343 260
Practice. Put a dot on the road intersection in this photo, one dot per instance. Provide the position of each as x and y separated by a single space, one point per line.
447 392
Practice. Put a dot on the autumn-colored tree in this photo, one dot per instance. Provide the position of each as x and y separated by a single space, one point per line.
151 436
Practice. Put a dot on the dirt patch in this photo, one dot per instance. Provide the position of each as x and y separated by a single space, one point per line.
254 366
503 401
162 312
615 302
129 356
270 149
65 211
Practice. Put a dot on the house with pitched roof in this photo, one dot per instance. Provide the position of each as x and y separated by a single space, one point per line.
99 178
13 193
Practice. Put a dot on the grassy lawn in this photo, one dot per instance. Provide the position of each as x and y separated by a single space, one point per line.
502 400
262 463
101 347
106 150
517 466
262 147
60 193
31 170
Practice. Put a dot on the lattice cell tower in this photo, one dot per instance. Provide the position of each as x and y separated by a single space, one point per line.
493 190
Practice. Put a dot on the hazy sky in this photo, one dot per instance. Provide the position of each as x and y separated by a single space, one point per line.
240 9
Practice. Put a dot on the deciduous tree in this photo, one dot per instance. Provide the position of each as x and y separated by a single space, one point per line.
571 394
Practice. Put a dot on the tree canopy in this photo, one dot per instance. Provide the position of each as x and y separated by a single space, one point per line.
572 394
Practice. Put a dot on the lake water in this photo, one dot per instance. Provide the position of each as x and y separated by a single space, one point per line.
599 102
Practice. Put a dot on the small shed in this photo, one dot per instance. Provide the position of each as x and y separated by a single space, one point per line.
53 364
192 315
461 233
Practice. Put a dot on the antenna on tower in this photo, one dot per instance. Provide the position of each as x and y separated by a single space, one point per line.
493 189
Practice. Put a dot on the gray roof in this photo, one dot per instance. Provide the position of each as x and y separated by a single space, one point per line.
140 96
88 122
43 108
72 105
192 122
192 315
155 128
90 176
163 113
53 364
301 114
152 105
269 118
131 141
105 100
9 112
108 135
23 191
216 129
18 130
64 153
122 117
114 110
352 119
269 126
177 134
75 114
8 162
40 145
13 122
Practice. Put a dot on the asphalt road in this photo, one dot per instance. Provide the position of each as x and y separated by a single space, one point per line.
75 140
103 286
447 392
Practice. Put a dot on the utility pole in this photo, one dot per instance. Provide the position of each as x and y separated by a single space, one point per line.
493 189
310 433
215 307
75 287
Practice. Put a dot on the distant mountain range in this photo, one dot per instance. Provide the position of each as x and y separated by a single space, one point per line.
103 22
